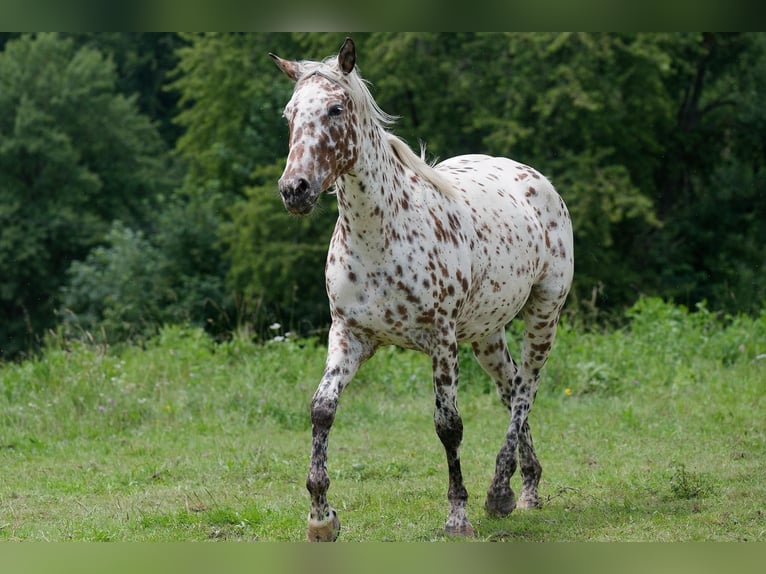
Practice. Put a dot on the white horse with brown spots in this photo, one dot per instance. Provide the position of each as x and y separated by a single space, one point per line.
424 258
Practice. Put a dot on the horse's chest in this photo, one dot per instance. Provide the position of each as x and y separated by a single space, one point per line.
395 296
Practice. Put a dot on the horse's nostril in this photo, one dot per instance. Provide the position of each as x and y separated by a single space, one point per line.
302 185
294 188
297 195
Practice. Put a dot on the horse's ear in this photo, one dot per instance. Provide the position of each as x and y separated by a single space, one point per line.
292 70
347 56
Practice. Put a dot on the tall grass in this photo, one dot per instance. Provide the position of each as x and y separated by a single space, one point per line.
651 432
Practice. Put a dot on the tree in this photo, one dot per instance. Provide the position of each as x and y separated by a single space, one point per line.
277 260
657 142
74 155
231 102
711 184
560 102
654 140
641 134
143 63
214 257
230 110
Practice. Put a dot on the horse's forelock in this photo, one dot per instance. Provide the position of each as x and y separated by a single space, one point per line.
354 84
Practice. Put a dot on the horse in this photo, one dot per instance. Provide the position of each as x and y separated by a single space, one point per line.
424 257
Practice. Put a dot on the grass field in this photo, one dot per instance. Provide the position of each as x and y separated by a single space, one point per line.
654 432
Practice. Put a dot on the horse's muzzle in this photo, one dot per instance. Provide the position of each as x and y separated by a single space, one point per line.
298 195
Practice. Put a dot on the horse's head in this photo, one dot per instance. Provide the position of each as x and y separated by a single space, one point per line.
322 121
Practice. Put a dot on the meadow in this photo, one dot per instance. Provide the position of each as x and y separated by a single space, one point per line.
655 431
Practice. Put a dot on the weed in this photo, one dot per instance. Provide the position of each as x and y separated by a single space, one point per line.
685 484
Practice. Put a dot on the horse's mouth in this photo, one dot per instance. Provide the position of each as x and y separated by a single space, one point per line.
300 205
300 209
300 196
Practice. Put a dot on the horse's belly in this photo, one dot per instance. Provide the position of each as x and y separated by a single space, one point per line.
391 314
492 305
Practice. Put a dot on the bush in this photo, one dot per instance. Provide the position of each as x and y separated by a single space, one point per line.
118 292
662 344
135 284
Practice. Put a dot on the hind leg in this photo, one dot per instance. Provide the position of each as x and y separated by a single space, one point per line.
492 354
517 388
530 470
541 316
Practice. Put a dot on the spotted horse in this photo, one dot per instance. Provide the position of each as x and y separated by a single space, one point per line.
424 257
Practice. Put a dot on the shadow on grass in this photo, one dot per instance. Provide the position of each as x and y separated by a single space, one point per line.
651 517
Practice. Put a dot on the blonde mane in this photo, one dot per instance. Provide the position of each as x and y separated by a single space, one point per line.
419 165
359 92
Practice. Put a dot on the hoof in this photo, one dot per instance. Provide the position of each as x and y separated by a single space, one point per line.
323 531
527 502
500 505
462 529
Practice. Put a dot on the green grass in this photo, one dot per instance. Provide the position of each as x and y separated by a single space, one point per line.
654 432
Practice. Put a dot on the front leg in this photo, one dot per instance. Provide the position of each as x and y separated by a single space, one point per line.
344 355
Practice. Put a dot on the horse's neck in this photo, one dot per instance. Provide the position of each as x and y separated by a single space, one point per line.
369 194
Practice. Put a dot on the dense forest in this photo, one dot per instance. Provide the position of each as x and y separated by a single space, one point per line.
138 171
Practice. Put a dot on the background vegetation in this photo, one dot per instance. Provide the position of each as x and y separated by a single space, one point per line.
143 247
138 171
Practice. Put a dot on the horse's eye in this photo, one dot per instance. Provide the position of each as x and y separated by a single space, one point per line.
335 110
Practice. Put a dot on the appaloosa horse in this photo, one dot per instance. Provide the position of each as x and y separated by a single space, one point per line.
424 258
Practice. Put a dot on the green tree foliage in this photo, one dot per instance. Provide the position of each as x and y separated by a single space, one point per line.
230 110
565 103
231 103
277 260
135 283
74 155
712 196
637 131
657 142
143 63
118 291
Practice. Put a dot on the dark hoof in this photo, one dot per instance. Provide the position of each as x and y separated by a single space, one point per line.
500 505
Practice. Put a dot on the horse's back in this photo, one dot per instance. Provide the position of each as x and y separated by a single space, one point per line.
491 178
512 189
